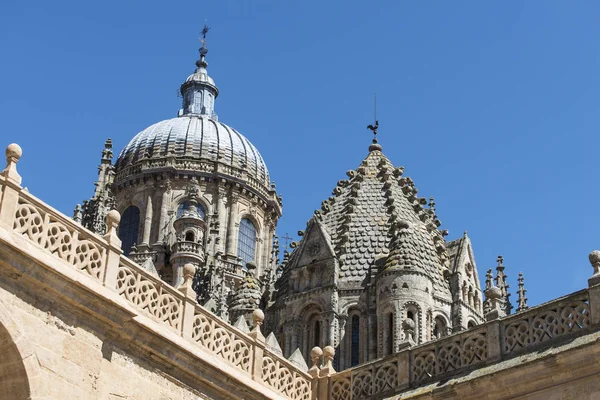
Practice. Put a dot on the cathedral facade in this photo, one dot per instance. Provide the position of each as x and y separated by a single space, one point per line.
372 273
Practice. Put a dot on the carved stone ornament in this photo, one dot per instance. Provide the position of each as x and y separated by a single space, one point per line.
192 191
315 248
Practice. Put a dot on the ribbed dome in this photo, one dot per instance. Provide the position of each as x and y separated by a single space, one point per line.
198 137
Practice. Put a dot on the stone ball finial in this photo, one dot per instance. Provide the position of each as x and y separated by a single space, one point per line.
189 270
113 217
493 293
258 316
594 257
328 352
316 352
13 150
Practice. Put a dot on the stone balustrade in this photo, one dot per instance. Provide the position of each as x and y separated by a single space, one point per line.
101 258
188 247
494 341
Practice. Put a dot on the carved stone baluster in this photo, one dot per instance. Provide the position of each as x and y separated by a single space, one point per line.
326 372
113 252
594 288
9 197
258 349
315 356
189 308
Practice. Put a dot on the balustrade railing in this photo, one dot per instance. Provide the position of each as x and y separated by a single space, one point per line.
101 258
493 341
188 247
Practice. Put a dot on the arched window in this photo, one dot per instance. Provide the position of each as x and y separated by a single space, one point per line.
246 241
189 236
129 228
354 346
440 328
471 324
184 205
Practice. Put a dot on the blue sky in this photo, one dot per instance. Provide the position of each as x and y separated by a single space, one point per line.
492 107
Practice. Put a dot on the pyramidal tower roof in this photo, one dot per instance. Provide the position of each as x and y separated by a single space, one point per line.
376 214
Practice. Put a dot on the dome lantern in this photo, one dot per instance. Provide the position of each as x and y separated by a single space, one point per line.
199 90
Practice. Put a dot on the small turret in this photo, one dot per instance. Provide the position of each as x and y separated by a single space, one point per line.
190 229
246 298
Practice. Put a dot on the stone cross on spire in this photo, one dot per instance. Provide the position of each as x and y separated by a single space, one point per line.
287 239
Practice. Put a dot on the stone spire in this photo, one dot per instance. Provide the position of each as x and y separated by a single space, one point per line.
247 297
502 285
94 211
493 306
521 293
199 90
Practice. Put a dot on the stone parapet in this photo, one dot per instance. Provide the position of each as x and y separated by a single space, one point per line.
538 327
50 235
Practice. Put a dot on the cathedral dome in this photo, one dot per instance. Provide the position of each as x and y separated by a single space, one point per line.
195 142
196 137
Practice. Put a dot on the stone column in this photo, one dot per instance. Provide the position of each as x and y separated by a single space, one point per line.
345 343
221 211
147 220
294 339
231 231
164 206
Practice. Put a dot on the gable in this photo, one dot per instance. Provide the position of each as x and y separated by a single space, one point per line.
315 246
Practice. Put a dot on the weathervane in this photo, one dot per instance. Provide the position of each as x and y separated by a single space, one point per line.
203 33
201 63
374 127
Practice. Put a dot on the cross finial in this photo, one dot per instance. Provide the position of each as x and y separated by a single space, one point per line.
432 203
287 239
500 260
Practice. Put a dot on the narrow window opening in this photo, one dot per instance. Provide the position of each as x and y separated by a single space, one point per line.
189 237
317 333
354 351
390 342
